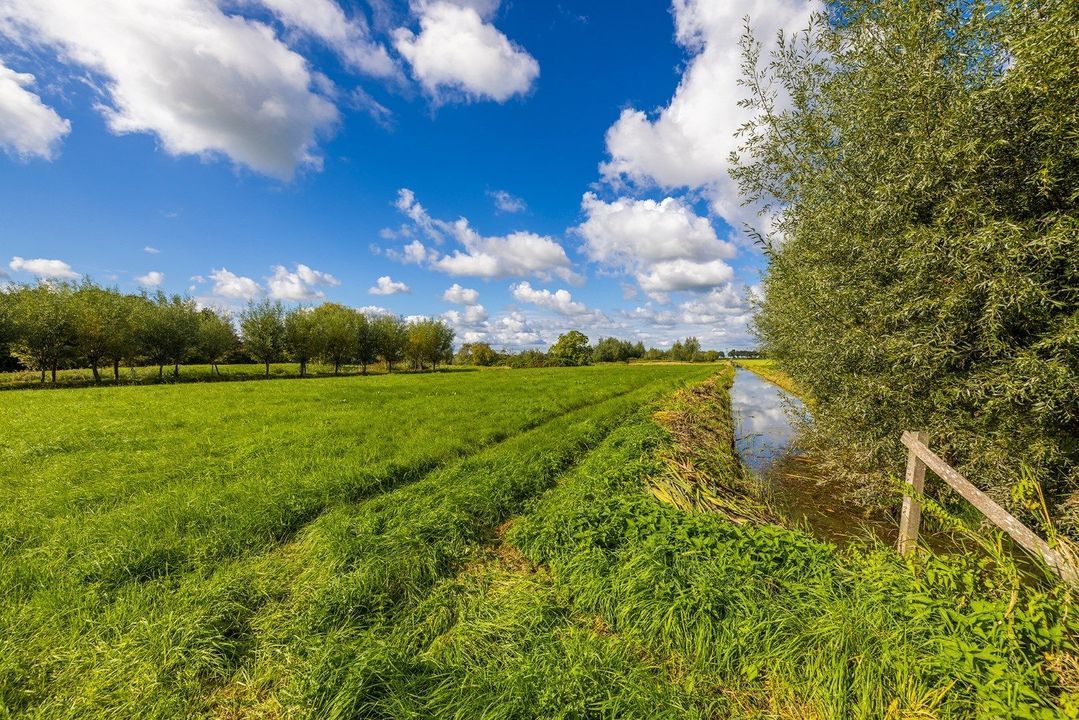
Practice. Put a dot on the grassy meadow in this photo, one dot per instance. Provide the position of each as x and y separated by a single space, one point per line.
123 510
467 545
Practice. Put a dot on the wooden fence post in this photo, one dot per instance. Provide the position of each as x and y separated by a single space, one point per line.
911 518
921 457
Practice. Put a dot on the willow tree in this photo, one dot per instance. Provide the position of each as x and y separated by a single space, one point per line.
46 334
921 164
303 336
392 334
366 341
102 322
336 326
216 337
262 327
168 327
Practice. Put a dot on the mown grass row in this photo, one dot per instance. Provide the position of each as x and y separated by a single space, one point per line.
176 642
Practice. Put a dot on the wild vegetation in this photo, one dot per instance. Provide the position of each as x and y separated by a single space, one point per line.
924 265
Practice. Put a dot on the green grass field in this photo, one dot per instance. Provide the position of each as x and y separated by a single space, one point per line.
461 545
126 513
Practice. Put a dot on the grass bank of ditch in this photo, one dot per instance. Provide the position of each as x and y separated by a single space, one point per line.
534 573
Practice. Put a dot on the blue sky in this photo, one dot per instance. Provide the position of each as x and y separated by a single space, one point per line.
521 168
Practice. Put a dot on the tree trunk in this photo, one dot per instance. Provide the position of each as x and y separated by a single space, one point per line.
97 375
116 369
54 373
161 371
363 367
336 367
42 373
267 369
176 370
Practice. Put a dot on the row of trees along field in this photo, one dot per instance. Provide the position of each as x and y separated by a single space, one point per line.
573 349
51 326
925 268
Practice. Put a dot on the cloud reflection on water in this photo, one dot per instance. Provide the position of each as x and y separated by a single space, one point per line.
763 428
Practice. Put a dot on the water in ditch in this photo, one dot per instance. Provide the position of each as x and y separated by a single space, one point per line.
765 435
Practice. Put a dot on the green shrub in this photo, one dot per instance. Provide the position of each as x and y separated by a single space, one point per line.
925 268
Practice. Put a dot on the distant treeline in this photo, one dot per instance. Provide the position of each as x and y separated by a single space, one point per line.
53 326
573 349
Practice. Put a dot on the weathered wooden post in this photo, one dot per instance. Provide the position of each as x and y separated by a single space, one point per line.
920 458
911 518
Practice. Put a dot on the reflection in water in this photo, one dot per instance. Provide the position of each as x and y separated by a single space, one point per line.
764 436
763 431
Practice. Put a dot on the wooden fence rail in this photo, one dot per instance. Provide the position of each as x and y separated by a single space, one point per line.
920 458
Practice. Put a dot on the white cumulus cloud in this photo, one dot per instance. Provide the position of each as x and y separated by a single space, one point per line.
714 307
506 202
302 283
472 317
458 53
151 279
348 36
684 275
461 295
518 254
231 286
560 301
626 231
415 252
408 204
388 286
664 245
28 127
43 268
204 82
688 142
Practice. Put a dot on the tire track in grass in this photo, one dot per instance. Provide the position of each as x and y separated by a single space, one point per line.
374 568
528 650
86 661
128 545
365 565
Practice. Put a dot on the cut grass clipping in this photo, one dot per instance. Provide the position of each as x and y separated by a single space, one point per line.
518 566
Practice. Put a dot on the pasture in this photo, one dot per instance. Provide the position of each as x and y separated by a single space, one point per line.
466 545
133 519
